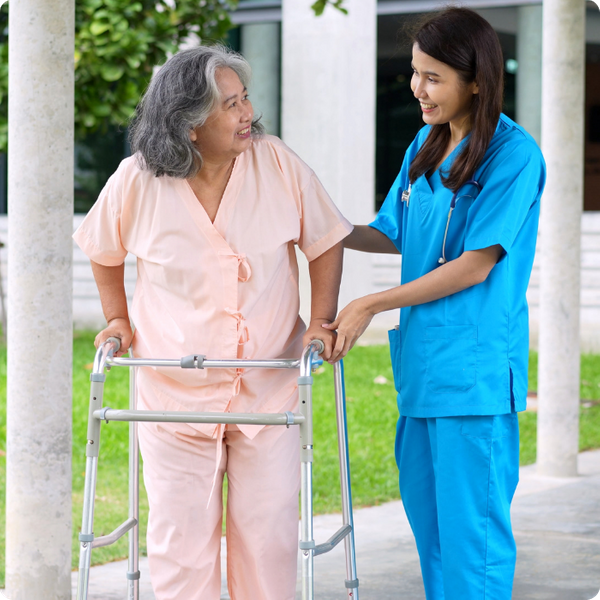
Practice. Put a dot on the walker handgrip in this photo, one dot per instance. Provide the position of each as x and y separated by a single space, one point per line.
320 345
116 341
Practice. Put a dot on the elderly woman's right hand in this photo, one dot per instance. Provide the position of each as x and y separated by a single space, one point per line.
118 328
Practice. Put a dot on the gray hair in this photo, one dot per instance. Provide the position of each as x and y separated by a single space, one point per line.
180 97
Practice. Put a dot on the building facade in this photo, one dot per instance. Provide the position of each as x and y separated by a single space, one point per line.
337 90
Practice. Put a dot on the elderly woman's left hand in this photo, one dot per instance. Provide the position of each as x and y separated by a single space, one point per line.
316 331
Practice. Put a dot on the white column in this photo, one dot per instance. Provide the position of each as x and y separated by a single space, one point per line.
529 73
261 47
563 96
328 110
40 198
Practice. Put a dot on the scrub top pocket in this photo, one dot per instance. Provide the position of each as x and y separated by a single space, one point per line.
451 355
395 338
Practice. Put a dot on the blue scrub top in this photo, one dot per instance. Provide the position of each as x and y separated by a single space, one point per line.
467 354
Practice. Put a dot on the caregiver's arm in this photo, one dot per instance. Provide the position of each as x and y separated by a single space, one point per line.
325 276
365 238
468 270
111 285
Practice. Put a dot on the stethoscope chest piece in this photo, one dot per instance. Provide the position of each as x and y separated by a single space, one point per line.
406 195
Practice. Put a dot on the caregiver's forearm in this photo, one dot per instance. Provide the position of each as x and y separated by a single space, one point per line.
470 269
325 278
365 238
111 286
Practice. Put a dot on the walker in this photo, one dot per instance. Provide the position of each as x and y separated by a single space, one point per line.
97 413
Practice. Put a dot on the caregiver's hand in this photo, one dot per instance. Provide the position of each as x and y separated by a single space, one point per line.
315 331
118 328
350 323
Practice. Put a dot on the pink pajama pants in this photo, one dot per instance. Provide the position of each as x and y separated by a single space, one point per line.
184 535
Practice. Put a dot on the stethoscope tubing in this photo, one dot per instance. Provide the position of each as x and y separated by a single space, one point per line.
455 198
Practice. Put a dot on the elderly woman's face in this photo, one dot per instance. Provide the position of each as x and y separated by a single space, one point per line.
226 133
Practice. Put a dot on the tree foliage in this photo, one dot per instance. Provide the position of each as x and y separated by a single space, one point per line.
320 5
117 44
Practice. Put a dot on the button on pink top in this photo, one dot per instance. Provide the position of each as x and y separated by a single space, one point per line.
227 289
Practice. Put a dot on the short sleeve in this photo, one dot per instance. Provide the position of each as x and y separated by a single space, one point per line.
323 225
99 235
389 217
514 187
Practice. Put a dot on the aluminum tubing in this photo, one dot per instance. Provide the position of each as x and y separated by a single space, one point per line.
110 414
306 531
307 543
87 524
133 585
93 430
346 492
240 363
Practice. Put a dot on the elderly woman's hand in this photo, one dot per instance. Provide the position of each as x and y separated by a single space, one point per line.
315 331
117 328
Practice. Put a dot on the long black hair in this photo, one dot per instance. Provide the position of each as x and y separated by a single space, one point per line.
466 42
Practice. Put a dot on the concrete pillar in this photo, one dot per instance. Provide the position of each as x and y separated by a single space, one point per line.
261 46
529 73
328 110
40 197
560 230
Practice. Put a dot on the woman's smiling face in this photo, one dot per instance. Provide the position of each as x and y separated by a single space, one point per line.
227 131
443 96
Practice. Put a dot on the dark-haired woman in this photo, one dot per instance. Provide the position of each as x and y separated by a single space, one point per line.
463 213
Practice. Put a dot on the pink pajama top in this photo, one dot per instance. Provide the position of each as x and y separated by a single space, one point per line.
227 289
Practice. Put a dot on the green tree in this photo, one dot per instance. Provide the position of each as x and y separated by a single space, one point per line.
117 44
320 5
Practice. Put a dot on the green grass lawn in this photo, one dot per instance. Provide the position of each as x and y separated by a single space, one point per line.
372 418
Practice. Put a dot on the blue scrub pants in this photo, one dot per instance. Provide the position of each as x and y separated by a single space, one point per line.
457 480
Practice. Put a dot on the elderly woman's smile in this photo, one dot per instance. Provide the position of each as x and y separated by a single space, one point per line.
227 131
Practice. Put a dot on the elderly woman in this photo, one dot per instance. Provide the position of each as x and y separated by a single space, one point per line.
212 210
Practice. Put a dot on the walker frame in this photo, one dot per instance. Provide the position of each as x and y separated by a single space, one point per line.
309 361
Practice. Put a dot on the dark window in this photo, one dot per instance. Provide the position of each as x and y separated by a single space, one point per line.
96 159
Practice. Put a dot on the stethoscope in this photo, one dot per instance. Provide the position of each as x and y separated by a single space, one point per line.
455 198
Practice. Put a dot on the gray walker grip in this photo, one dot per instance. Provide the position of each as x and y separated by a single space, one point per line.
320 345
116 341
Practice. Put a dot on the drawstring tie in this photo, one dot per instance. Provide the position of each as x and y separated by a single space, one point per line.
220 435
243 264
244 273
220 432
242 329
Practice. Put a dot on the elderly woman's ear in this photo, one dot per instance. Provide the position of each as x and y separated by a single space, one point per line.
193 135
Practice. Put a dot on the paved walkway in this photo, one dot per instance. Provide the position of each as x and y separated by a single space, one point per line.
556 524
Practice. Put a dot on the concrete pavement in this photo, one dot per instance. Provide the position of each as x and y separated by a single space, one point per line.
556 524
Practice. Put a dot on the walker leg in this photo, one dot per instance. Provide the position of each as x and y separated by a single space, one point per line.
85 547
307 543
340 406
133 571
86 536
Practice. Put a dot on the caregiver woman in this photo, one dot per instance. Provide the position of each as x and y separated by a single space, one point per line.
460 353
212 210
